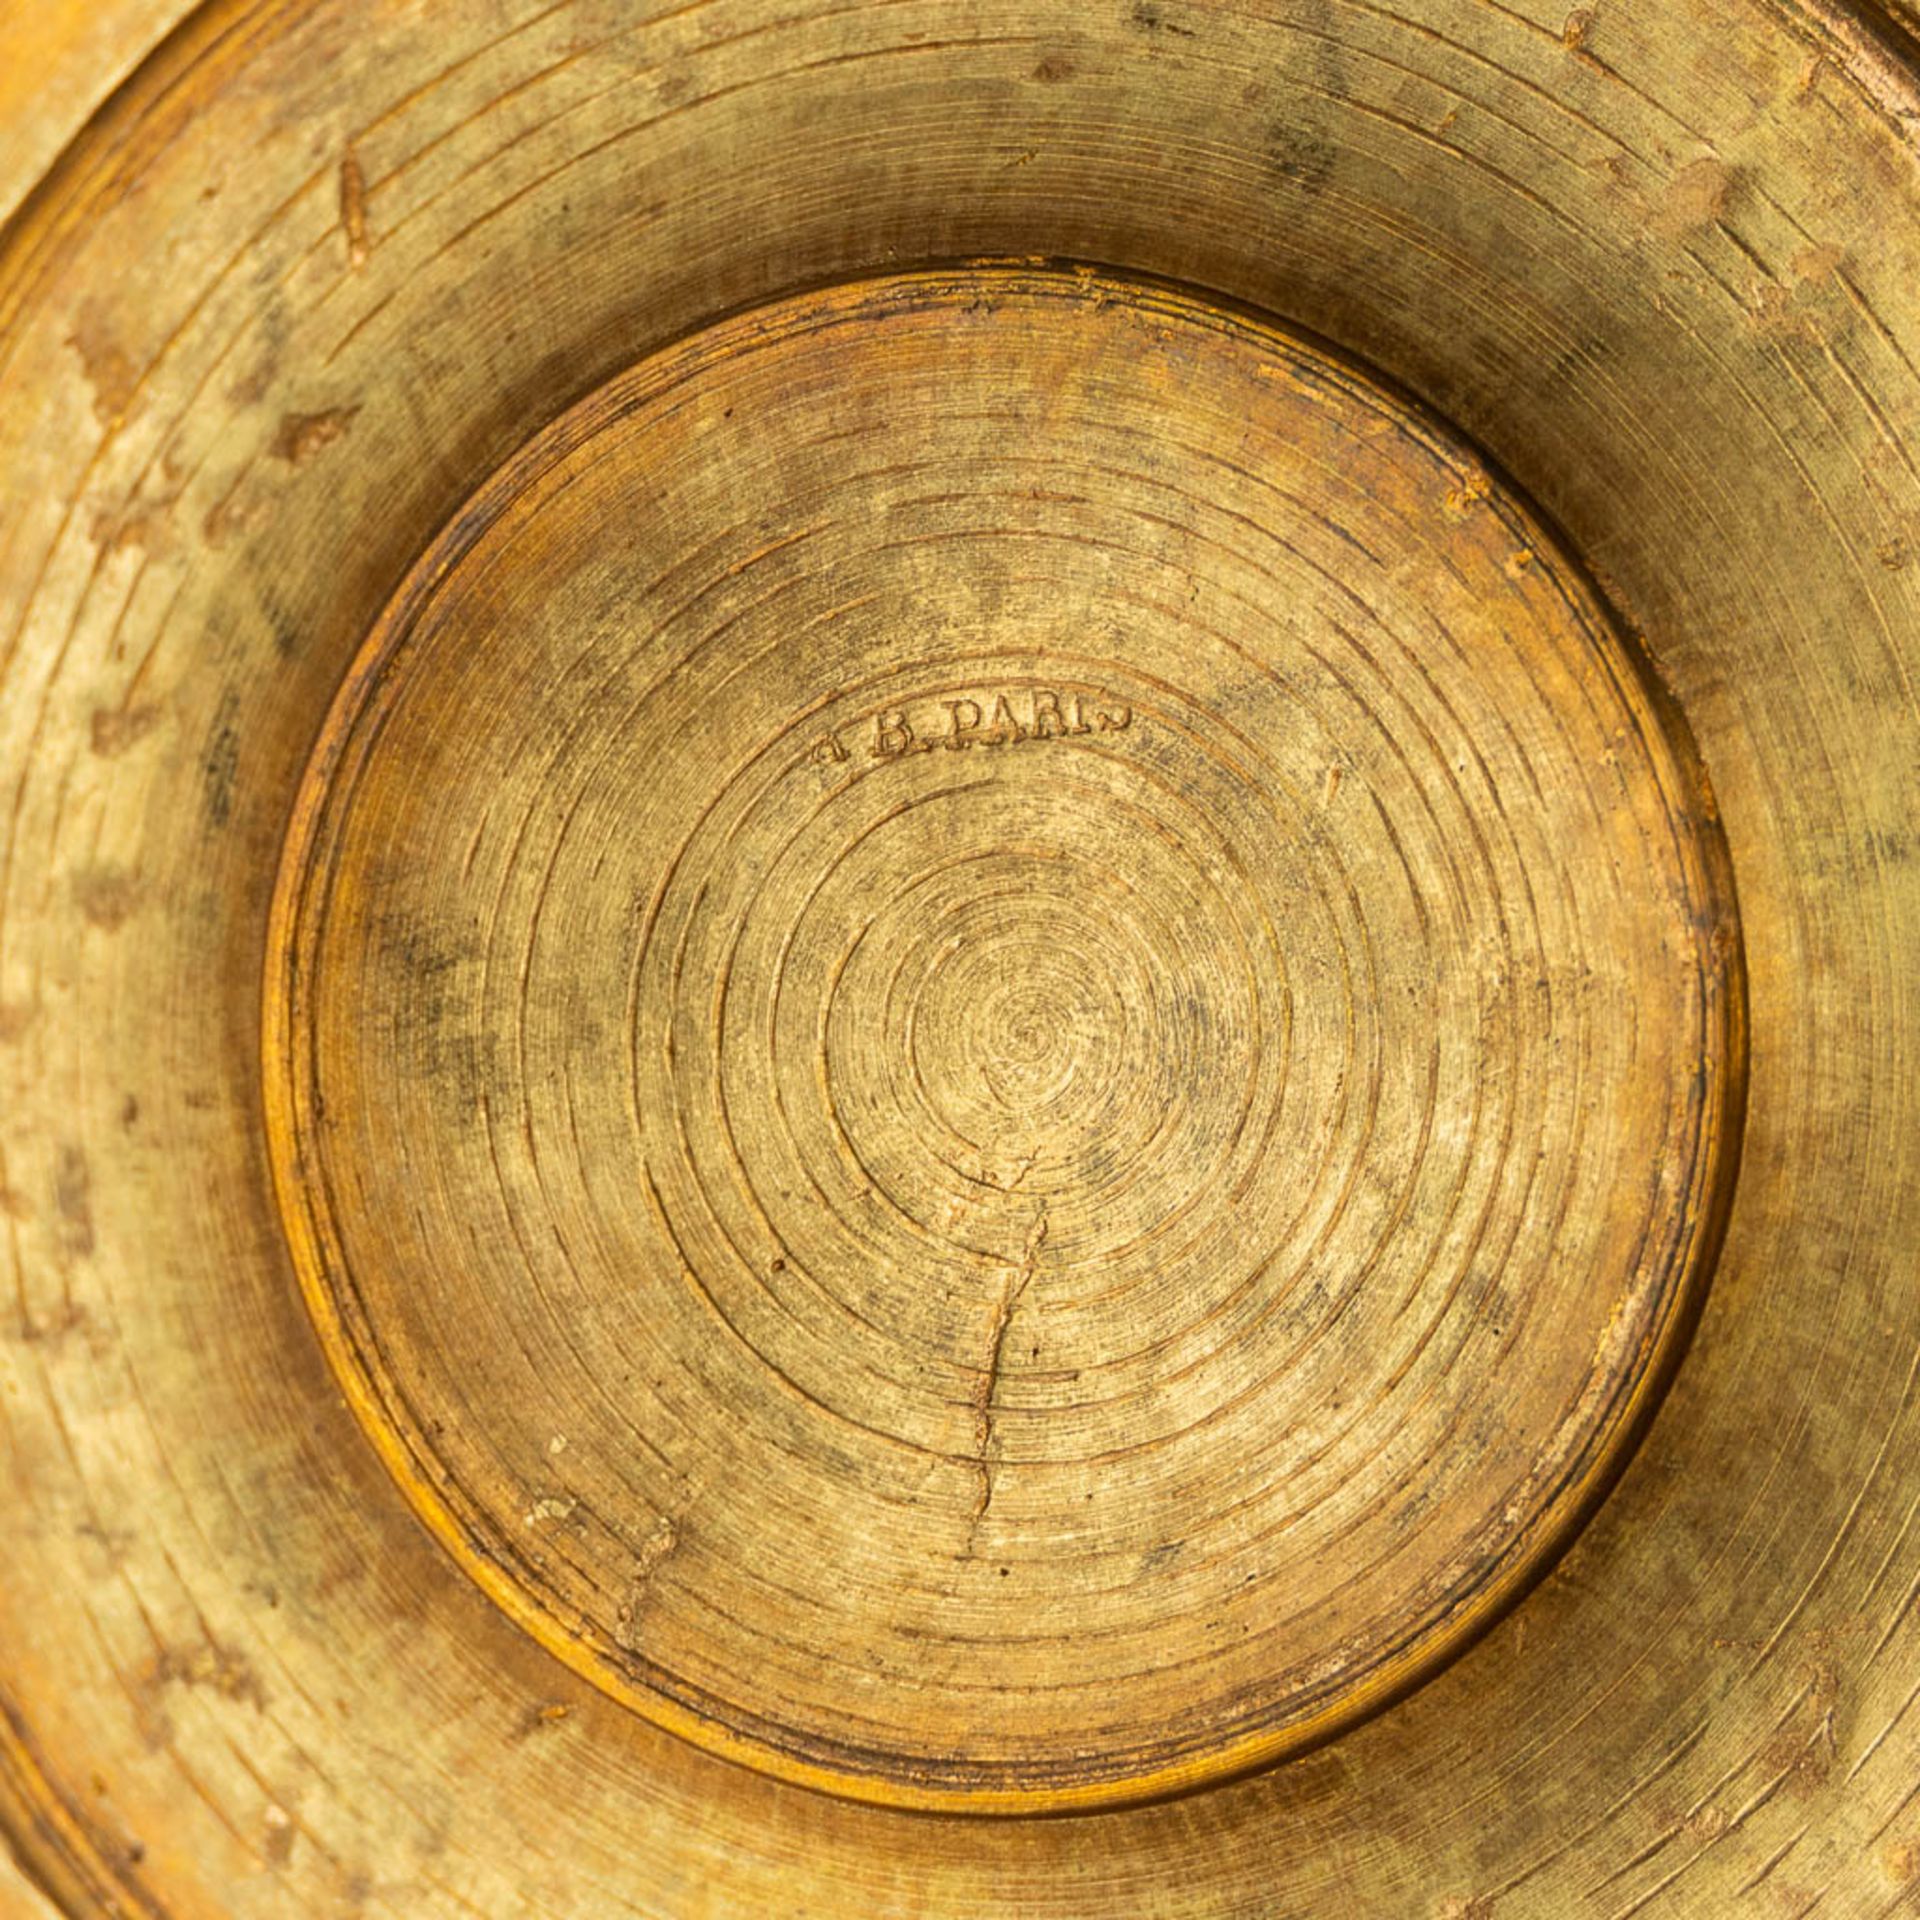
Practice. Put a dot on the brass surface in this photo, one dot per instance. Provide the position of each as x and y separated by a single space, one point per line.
999 1042
919 911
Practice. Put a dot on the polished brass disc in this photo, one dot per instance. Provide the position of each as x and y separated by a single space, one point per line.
916 912
999 1040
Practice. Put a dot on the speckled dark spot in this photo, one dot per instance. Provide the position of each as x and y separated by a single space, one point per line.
220 764
106 895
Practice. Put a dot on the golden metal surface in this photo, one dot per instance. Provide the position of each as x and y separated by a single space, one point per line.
998 1042
869 953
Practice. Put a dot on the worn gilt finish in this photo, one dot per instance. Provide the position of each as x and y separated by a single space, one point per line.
919 914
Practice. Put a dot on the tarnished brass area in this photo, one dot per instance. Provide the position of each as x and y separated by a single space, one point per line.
957 959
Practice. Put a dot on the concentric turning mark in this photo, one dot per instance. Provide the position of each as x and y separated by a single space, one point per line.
1027 957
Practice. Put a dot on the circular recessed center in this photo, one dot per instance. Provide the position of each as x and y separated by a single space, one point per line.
1000 1041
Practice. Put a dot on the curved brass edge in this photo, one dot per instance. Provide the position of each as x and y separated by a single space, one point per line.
56 1851
1527 1558
1877 40
1875 43
1847 26
55 206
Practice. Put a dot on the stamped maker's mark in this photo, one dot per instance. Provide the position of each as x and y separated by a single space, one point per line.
991 718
